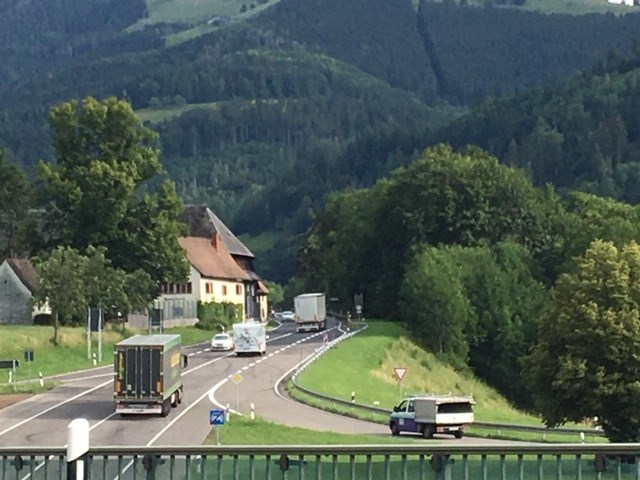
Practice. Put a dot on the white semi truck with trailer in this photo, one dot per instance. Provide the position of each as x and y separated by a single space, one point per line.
310 312
429 414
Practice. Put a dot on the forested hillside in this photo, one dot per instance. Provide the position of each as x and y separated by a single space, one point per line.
41 34
580 134
261 120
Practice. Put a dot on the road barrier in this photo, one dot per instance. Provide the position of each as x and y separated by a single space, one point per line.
415 461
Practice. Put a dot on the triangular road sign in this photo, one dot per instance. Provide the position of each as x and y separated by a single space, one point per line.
400 372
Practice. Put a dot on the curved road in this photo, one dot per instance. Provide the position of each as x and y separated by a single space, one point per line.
42 420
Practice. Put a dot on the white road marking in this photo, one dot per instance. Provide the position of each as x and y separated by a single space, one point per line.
78 379
26 420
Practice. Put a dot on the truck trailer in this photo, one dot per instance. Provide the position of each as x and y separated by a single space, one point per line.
429 414
147 374
310 312
250 337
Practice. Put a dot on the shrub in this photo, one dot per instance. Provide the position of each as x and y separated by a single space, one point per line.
213 315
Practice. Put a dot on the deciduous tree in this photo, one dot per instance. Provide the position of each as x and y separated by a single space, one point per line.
99 191
587 359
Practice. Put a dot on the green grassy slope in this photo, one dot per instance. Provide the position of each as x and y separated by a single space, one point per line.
71 354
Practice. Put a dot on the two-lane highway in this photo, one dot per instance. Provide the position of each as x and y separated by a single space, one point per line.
42 420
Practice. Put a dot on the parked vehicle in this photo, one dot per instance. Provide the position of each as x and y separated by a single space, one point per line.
148 374
250 337
221 342
310 312
431 414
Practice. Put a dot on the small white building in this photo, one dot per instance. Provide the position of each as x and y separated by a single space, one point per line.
18 280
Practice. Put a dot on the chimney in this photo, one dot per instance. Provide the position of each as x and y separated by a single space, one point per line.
215 240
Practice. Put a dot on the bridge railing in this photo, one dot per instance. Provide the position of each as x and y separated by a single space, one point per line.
416 461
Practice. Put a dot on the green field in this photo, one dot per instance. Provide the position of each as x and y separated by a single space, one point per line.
573 7
72 352
196 13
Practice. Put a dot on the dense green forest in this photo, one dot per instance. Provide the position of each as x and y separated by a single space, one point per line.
581 134
305 99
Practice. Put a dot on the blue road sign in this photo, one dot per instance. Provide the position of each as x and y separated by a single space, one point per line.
216 417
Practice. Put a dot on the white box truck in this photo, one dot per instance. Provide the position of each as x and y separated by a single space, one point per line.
250 337
310 312
431 414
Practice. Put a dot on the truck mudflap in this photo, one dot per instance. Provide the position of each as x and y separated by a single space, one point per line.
139 408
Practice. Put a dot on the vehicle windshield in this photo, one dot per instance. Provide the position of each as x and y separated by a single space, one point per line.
221 336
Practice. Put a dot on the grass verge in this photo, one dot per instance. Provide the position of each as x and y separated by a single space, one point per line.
366 364
72 352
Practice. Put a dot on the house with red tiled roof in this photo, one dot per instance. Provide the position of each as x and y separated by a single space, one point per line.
18 280
203 223
214 275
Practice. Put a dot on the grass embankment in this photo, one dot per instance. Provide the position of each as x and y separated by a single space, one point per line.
365 366
71 354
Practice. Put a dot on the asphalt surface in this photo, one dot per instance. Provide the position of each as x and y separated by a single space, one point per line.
212 380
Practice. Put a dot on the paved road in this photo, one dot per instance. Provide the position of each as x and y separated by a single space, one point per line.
42 420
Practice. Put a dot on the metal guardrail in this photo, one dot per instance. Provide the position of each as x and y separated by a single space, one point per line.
345 462
383 411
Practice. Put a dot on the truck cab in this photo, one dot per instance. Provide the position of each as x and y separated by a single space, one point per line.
430 414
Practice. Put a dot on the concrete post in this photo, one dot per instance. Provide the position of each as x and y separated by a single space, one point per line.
77 449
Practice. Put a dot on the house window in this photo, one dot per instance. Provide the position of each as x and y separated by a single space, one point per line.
224 290
238 290
189 287
208 287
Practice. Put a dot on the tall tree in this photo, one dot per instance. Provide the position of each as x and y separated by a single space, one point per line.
587 359
433 300
15 199
69 282
99 191
61 285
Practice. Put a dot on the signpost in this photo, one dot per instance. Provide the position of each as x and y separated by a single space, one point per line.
95 323
28 357
400 372
358 301
11 365
156 319
236 378
216 418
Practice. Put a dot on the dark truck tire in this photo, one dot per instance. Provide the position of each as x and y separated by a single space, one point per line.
166 407
395 431
458 434
428 430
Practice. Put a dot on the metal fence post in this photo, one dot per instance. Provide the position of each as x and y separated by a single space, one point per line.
77 449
